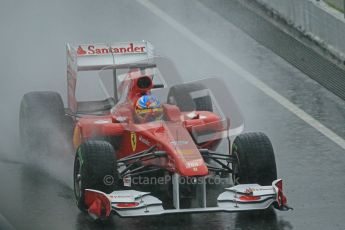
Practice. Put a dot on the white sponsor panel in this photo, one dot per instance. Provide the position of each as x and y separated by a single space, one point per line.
98 56
194 163
101 49
102 122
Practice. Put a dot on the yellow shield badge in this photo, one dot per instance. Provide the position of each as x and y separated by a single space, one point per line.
133 141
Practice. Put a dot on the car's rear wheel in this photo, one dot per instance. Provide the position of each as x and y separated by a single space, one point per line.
189 97
255 161
94 168
41 122
192 97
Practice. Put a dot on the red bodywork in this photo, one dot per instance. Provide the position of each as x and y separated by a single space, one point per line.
172 136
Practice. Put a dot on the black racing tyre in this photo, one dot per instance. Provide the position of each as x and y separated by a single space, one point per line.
255 161
94 168
41 121
180 95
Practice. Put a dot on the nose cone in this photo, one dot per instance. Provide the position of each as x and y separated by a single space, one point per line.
195 167
181 147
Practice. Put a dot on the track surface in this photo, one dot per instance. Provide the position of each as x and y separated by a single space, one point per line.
33 58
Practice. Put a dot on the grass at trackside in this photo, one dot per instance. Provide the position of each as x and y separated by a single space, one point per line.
333 5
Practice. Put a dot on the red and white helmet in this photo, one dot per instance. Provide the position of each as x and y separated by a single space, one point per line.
148 108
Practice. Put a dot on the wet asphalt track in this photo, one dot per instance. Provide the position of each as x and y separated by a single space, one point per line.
32 57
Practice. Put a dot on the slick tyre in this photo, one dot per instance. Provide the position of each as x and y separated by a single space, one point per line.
94 168
254 159
181 96
41 122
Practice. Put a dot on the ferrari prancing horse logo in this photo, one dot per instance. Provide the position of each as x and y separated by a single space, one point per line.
133 141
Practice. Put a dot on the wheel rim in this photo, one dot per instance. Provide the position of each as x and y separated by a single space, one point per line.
77 178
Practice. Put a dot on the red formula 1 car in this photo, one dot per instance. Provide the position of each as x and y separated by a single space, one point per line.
149 124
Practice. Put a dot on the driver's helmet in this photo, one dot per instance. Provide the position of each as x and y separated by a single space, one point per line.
148 108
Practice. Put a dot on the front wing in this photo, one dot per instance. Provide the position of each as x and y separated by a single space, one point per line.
132 203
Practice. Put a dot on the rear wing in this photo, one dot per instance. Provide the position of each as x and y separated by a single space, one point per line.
88 57
97 56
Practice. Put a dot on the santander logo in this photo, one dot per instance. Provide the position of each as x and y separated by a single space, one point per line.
80 51
94 50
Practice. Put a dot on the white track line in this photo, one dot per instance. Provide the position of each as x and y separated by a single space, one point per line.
244 73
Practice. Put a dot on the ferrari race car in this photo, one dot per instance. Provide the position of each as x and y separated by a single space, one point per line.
144 122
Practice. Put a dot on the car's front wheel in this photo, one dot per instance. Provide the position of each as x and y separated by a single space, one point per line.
94 168
254 159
